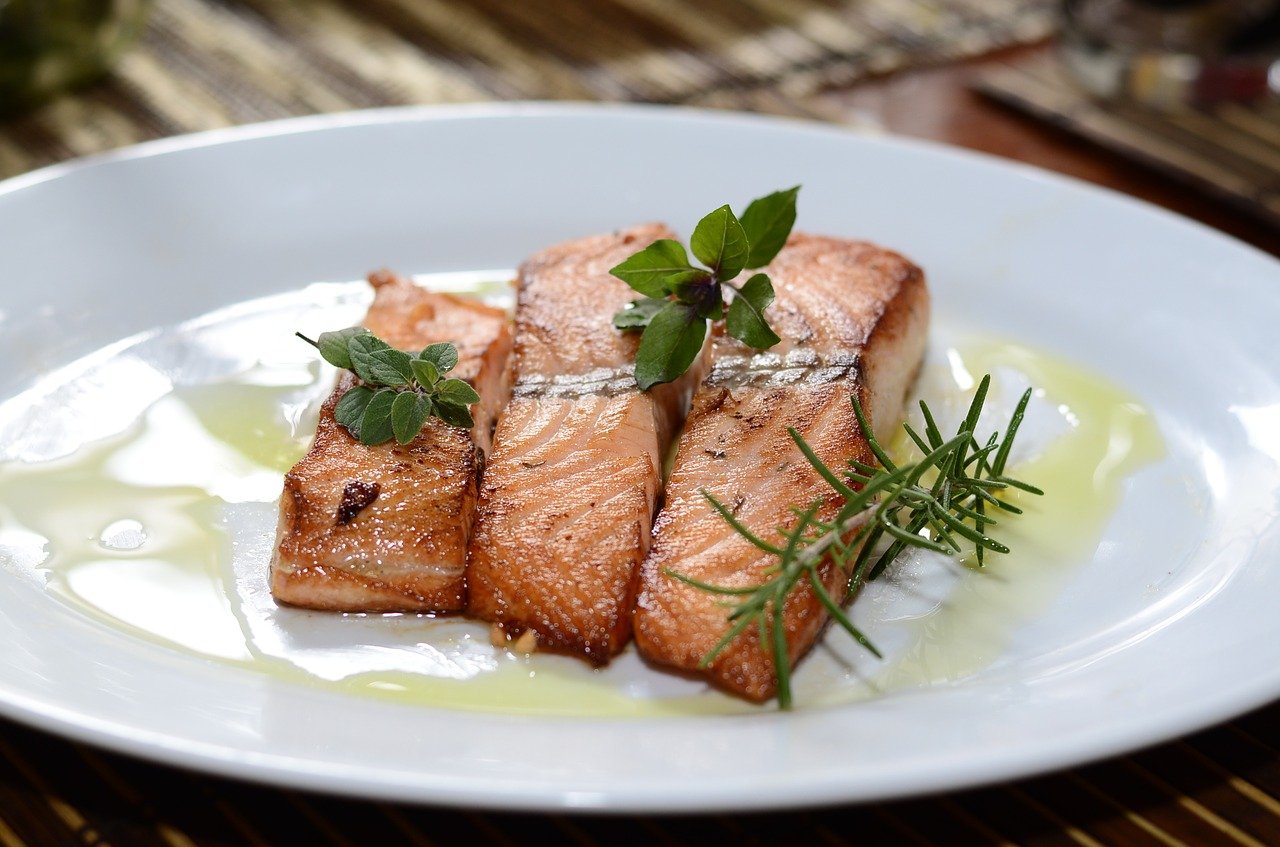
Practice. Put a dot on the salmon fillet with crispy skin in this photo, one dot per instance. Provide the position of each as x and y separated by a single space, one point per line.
385 527
853 318
573 481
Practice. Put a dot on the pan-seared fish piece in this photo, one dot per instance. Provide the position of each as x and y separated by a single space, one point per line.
385 527
853 318
570 490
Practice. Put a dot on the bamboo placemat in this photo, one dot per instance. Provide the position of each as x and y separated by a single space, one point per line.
203 64
1229 150
1217 787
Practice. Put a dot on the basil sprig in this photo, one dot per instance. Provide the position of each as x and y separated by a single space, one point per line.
399 391
680 297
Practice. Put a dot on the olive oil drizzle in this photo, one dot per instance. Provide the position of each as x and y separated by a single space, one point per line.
164 531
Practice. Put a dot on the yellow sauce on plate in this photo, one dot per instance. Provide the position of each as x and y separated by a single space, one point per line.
1082 473
162 530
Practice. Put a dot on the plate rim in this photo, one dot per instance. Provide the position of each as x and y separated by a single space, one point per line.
301 124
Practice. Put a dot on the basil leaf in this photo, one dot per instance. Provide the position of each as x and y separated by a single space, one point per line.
706 296
333 345
380 365
350 408
425 372
638 314
453 415
455 392
375 426
656 268
746 314
409 412
669 345
443 355
768 222
720 242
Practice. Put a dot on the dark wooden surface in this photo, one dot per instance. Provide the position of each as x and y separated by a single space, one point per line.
939 103
1220 786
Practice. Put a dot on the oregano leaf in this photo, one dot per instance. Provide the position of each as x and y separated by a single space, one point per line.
408 413
361 349
333 345
455 392
393 367
350 408
425 372
388 403
375 425
443 355
453 415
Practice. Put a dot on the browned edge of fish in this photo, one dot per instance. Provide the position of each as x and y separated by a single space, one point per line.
568 498
735 444
384 528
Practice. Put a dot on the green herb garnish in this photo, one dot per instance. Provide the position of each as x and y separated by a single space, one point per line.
943 502
680 297
399 391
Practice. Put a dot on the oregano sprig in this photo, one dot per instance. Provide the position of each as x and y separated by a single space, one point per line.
680 298
946 501
398 391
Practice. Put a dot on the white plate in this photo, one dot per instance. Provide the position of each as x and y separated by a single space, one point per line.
1167 627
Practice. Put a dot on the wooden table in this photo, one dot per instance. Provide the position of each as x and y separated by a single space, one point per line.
939 104
1221 786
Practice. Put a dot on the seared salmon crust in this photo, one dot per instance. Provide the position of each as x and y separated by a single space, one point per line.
576 471
550 525
385 527
853 318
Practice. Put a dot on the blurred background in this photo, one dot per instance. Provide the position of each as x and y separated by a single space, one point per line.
207 63
1172 101
1183 86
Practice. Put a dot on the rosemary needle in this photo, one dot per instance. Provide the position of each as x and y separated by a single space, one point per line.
943 502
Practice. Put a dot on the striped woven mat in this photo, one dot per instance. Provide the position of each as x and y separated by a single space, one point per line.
1217 787
210 63
1229 150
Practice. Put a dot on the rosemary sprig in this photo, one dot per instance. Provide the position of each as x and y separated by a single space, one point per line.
943 502
399 391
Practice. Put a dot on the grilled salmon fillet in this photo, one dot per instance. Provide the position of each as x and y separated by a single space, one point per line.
569 493
385 527
853 318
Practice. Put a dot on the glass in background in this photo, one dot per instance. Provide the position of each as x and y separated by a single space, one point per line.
1173 53
50 46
